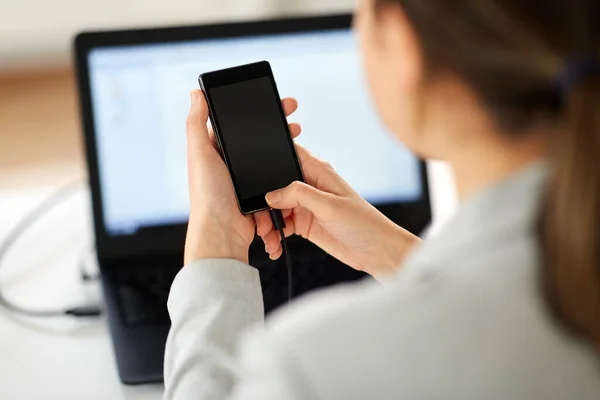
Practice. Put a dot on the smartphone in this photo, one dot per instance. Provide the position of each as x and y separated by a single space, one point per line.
251 131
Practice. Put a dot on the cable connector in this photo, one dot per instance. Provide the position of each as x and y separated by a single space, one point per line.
84 311
279 224
278 220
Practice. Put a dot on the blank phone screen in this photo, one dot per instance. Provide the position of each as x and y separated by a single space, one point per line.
254 137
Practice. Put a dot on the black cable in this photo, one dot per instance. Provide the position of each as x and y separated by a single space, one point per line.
288 263
279 224
19 229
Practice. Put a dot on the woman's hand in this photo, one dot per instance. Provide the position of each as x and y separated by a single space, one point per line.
330 214
216 227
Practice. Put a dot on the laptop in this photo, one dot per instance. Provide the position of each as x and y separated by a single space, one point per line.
134 94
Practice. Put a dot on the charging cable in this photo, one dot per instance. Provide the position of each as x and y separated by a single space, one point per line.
20 228
279 224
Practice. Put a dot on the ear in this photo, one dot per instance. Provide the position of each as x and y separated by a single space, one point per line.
402 45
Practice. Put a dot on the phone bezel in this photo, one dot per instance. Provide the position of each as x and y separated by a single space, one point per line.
231 76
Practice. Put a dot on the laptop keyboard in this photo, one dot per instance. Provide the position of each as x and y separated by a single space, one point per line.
143 291
312 269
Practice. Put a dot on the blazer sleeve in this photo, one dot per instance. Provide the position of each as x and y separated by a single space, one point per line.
210 304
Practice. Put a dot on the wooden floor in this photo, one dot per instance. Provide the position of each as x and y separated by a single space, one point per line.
40 139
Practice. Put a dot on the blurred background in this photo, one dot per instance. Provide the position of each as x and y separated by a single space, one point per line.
40 141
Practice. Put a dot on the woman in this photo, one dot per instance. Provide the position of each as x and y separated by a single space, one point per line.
503 304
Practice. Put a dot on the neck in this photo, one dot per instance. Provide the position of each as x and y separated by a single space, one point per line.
480 166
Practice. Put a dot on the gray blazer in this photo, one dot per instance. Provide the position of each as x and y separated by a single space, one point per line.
462 319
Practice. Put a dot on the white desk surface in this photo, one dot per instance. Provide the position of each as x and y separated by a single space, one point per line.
66 358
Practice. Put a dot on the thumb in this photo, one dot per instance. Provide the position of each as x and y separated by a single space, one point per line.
299 194
196 128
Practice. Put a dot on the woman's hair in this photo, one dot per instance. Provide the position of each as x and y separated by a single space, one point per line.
512 53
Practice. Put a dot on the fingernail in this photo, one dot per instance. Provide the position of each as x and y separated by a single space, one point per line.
258 229
274 197
267 248
194 96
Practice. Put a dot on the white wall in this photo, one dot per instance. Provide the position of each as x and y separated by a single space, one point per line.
38 33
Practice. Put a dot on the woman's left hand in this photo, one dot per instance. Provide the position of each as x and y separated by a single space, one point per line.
217 228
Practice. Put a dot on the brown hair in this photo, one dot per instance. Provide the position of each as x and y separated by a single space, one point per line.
511 54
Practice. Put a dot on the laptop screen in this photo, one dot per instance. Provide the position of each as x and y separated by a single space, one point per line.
140 99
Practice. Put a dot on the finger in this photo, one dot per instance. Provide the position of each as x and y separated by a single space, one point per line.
276 255
213 139
290 105
264 225
197 131
299 194
272 245
211 135
272 241
290 228
304 155
295 129
321 174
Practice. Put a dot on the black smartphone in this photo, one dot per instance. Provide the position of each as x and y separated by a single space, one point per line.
252 132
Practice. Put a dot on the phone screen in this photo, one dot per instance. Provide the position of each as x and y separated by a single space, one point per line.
254 136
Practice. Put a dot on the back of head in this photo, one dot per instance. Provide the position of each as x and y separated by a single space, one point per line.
536 64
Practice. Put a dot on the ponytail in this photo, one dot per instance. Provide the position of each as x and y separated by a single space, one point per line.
570 223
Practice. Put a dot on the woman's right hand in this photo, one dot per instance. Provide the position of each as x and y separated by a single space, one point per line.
329 213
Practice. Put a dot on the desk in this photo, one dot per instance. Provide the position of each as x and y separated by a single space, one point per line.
67 358
59 357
